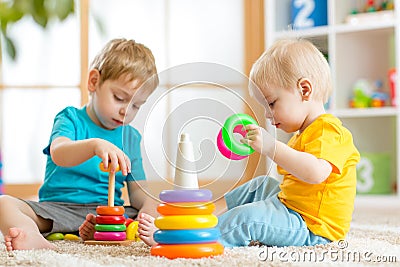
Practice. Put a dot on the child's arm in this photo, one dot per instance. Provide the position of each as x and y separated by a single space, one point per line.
302 165
67 153
140 198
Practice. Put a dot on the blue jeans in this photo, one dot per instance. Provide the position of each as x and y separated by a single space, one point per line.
255 213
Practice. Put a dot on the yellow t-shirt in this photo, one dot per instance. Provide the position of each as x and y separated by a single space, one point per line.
326 207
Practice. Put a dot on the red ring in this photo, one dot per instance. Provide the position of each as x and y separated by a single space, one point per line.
110 219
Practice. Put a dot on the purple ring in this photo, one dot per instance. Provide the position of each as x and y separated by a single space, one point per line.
189 195
109 236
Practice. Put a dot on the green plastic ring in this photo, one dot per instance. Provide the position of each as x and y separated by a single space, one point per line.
110 227
227 134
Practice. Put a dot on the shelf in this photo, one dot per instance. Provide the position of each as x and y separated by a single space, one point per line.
365 112
311 32
359 46
349 28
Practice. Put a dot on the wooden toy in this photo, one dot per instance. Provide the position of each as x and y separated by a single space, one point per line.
110 223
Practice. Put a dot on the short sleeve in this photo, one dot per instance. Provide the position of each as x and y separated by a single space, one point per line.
131 146
332 144
63 125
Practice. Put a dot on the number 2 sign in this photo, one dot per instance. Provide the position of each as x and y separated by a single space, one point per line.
309 13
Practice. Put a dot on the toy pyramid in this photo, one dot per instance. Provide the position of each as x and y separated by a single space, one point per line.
187 227
112 228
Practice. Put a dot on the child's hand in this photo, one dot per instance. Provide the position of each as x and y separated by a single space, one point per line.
112 155
259 139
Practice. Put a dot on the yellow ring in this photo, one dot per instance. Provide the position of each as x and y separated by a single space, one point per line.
177 222
186 208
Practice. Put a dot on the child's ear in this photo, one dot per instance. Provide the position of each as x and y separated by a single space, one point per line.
305 87
93 80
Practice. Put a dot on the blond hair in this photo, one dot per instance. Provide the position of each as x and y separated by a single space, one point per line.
126 57
289 60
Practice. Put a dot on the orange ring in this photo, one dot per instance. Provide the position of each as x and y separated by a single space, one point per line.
106 210
108 169
188 250
186 208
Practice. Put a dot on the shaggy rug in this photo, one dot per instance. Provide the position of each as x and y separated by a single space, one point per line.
374 239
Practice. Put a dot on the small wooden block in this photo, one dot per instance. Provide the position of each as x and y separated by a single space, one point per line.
109 243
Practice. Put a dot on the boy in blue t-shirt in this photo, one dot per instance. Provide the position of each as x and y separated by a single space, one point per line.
121 78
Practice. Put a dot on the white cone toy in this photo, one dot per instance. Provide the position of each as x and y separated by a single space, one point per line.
185 170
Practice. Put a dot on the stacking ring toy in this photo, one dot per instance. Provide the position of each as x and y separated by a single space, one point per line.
188 195
186 208
109 236
187 250
228 139
222 147
180 222
110 227
197 236
110 219
107 210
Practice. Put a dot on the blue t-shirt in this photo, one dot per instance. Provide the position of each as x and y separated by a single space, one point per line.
86 183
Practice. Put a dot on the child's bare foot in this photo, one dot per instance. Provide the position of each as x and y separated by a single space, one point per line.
86 230
146 229
18 239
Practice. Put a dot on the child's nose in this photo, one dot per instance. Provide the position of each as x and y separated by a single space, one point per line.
122 110
268 114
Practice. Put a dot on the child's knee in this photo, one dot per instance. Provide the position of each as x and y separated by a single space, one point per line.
6 202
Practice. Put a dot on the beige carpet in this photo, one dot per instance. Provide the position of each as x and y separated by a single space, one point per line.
374 237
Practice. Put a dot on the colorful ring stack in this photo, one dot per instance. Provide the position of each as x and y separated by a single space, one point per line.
187 227
110 224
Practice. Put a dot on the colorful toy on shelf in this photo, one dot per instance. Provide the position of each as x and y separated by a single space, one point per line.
370 6
371 12
111 226
307 14
187 227
366 95
392 85
226 142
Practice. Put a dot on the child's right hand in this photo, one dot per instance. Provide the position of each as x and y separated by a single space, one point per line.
112 156
259 139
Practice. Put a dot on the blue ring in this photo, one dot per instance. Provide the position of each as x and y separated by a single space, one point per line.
189 195
192 236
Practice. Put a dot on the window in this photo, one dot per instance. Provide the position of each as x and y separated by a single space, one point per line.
47 75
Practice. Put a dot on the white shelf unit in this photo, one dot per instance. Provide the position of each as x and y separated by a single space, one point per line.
367 50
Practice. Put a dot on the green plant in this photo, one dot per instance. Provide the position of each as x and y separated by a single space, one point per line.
42 11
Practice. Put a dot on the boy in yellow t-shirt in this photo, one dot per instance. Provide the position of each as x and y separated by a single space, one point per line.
314 202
